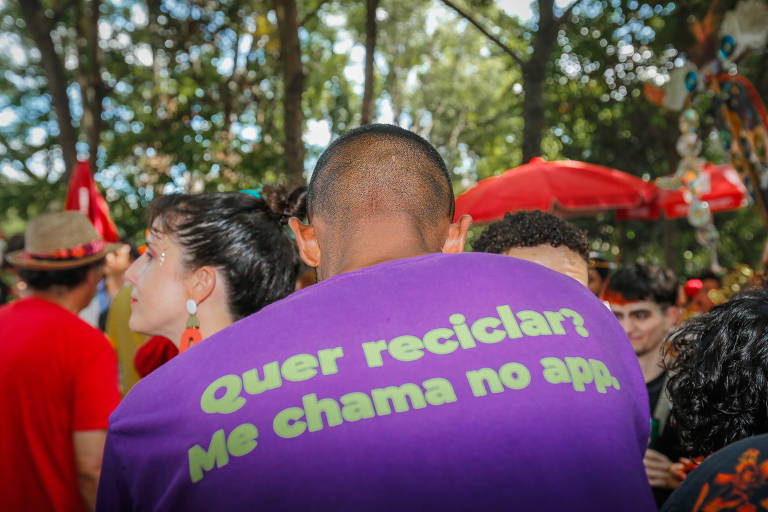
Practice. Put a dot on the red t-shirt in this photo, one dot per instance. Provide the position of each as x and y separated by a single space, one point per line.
58 375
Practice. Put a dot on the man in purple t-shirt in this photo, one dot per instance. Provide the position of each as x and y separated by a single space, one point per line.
403 380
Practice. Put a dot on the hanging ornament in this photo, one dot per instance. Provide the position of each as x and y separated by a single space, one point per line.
698 213
745 27
688 121
688 145
669 182
676 90
707 235
701 185
691 81
688 168
727 46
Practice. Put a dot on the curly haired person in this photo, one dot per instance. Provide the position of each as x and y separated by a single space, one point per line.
719 377
541 238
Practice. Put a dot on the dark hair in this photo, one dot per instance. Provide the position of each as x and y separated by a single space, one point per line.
68 278
644 282
133 251
601 265
529 229
708 274
719 378
242 235
377 168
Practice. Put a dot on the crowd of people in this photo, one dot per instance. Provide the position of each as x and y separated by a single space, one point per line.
527 374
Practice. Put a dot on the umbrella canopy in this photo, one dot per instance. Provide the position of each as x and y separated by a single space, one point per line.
726 192
568 187
84 196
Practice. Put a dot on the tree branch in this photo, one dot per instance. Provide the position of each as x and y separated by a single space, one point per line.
562 19
487 34
39 27
64 9
16 156
226 93
311 14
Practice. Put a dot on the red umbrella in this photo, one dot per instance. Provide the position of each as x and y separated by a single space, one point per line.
727 192
83 195
568 187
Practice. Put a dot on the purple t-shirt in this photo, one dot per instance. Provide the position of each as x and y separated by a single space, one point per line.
444 382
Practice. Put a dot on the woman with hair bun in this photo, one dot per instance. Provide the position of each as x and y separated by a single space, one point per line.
212 259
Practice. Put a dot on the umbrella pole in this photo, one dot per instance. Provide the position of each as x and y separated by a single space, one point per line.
669 237
617 238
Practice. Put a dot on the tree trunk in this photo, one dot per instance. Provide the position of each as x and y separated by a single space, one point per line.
91 86
533 110
370 48
293 80
534 79
40 28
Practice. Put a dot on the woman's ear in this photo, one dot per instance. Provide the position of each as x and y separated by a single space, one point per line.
201 283
309 249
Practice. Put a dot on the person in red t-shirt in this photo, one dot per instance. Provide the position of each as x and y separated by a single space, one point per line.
58 375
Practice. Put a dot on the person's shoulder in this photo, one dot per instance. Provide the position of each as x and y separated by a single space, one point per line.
722 470
35 309
446 268
26 305
88 337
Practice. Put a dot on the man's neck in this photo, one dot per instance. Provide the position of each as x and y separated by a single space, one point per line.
376 241
62 297
651 365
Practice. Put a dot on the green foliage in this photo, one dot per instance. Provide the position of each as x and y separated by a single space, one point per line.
194 93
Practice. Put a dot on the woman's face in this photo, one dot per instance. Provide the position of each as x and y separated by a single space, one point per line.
159 296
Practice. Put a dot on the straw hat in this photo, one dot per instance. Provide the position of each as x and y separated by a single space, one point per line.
60 241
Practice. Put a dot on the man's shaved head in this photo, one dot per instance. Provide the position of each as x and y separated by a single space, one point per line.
380 169
378 193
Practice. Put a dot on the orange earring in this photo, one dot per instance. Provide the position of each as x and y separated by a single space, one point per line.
191 334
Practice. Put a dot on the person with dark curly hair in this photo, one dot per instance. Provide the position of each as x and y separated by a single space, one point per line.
719 377
541 238
643 298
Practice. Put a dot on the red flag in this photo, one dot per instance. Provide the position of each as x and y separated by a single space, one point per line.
85 197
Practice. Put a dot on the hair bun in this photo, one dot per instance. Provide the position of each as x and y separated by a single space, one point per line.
284 205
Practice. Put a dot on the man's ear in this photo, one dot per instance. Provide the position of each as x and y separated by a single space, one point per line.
457 235
309 249
672 317
201 283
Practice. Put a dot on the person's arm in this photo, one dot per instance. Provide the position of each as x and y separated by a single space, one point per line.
95 395
660 470
89 448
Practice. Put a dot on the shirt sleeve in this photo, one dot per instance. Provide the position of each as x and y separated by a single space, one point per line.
113 492
96 391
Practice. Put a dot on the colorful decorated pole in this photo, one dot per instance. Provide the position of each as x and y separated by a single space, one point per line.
741 117
738 112
695 184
